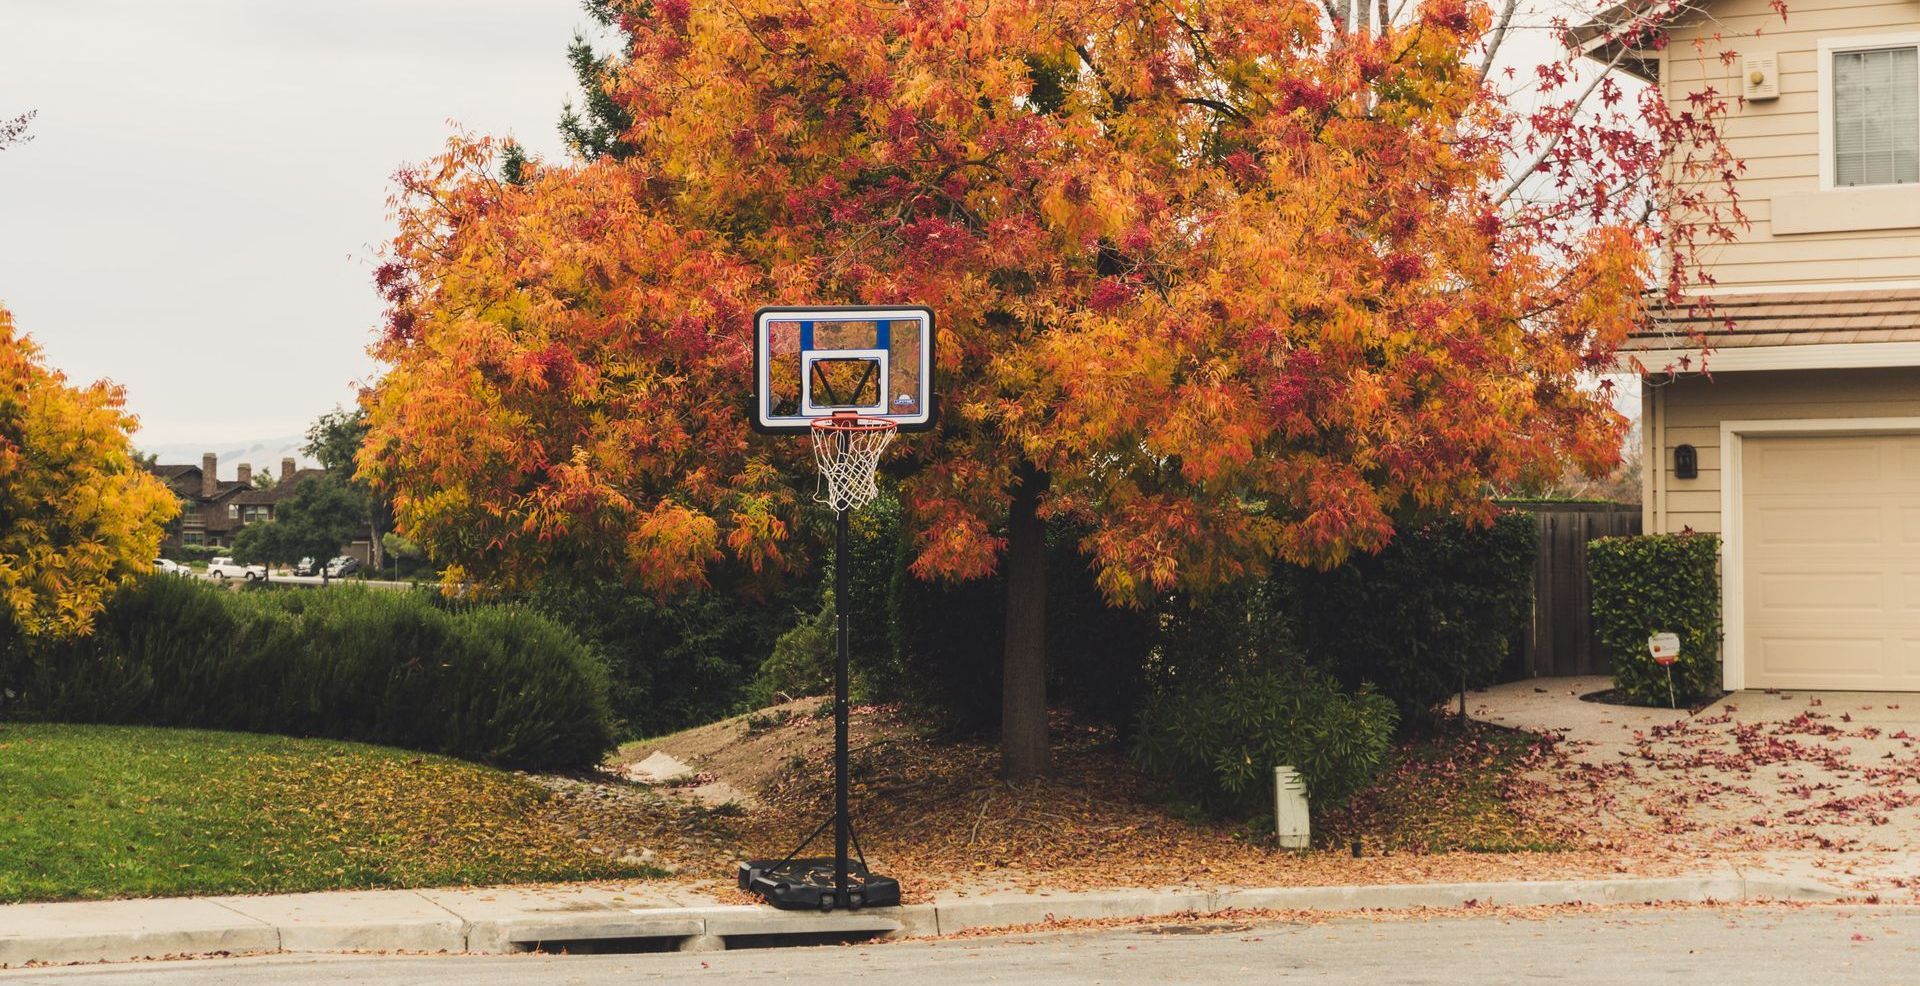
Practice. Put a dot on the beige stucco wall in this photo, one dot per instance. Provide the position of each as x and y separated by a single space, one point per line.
1801 238
1689 410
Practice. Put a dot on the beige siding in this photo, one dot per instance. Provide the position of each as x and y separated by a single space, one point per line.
1779 142
1689 411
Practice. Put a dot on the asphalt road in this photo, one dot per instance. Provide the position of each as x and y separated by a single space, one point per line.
1810 946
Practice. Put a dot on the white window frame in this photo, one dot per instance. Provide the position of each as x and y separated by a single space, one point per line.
1830 47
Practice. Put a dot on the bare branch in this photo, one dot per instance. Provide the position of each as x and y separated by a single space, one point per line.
1499 37
1521 175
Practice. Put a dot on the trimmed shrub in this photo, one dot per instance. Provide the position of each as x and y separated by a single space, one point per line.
1216 741
1434 611
1658 583
493 683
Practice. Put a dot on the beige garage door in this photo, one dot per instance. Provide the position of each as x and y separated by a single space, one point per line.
1831 557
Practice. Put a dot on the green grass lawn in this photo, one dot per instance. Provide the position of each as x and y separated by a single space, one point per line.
107 811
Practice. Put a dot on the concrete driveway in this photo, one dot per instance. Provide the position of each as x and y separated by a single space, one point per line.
1807 781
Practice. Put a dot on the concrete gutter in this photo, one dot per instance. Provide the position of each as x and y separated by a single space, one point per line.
514 919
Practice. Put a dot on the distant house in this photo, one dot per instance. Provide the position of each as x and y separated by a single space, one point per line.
212 510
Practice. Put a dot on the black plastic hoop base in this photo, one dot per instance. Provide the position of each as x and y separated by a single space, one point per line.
807 885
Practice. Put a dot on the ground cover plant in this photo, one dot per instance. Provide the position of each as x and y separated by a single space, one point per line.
1450 788
111 811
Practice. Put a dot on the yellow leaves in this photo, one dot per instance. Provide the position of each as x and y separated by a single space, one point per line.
80 511
671 547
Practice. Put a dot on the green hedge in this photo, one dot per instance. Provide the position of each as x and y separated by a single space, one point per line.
1440 604
1436 609
1659 583
680 662
494 683
1216 741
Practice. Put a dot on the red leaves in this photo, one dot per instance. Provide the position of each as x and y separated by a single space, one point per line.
1158 288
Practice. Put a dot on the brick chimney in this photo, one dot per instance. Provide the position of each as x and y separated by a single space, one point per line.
246 474
286 470
209 474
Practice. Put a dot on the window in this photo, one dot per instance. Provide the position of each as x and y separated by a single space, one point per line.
256 512
1876 117
233 511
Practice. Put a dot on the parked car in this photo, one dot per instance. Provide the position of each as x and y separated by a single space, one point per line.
227 568
307 566
167 566
343 565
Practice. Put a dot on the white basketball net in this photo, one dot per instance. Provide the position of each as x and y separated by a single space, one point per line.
847 450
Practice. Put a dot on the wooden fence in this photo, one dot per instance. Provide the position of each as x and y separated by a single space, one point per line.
1560 640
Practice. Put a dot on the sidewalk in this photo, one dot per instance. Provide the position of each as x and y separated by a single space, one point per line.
515 919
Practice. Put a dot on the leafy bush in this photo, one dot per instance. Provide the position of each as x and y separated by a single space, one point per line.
802 660
680 662
1659 583
499 684
1217 740
1434 611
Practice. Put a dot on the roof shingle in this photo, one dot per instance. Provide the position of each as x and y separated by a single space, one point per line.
1813 318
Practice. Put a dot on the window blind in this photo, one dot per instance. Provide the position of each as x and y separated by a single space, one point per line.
1876 117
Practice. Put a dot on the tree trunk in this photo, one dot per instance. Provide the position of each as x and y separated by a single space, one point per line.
1023 696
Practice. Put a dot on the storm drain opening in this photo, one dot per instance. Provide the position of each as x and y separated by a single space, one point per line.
802 939
602 946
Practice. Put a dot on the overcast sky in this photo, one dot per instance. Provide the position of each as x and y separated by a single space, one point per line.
196 215
198 211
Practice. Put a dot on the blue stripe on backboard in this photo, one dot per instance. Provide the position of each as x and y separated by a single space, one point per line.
883 337
806 336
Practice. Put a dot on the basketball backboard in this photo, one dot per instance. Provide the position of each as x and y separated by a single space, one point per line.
813 362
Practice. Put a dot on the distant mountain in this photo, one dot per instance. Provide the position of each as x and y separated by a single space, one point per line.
263 453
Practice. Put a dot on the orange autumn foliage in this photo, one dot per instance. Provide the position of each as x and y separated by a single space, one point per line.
77 512
1239 289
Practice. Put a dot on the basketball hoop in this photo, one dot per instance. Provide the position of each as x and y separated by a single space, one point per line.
847 448
853 377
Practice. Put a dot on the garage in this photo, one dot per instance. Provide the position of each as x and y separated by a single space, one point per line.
1829 561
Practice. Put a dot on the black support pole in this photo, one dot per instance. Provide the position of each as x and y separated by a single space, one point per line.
842 823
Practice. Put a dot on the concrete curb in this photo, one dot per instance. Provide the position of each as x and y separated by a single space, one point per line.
511 919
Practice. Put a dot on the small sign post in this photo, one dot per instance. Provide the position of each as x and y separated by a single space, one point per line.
1665 648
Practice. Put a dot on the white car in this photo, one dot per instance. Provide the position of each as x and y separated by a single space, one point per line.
227 568
165 566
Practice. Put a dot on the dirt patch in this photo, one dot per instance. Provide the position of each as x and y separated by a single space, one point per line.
935 815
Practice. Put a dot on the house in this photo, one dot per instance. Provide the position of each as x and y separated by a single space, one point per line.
212 510
1801 444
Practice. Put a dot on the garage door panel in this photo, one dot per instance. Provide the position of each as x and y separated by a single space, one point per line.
1815 525
1817 465
1805 661
1830 558
1791 590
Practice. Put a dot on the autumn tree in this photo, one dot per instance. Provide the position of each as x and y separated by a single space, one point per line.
77 512
1227 284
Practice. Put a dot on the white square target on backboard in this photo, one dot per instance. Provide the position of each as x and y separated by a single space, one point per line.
814 362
